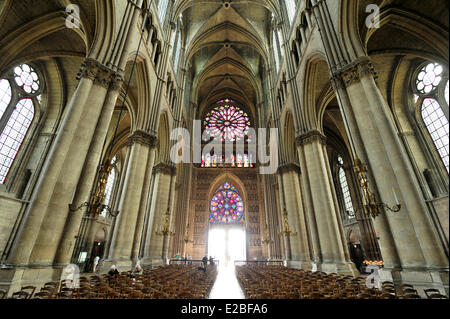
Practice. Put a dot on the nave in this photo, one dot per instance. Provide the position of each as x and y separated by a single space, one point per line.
249 281
282 130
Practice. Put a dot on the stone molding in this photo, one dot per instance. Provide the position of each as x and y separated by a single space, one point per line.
142 138
353 73
100 74
165 168
289 167
311 137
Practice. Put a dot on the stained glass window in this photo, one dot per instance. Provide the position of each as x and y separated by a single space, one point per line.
16 113
429 78
227 121
239 160
291 8
437 125
5 95
177 52
446 93
26 78
345 190
226 206
162 9
431 90
276 51
13 135
109 188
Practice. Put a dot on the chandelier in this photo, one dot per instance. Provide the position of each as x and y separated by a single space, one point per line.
165 231
96 206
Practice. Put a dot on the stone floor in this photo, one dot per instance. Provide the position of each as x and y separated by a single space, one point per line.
226 285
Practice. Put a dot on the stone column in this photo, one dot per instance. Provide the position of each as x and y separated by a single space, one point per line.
299 242
88 174
143 206
130 197
44 220
116 220
420 255
153 251
324 216
53 225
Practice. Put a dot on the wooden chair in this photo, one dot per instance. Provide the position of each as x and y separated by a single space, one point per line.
20 295
437 296
387 296
63 295
42 295
315 295
431 291
136 294
386 290
113 295
387 283
409 291
50 286
86 295
411 296
30 290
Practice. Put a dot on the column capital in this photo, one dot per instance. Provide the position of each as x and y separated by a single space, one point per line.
311 137
165 168
353 73
288 167
100 74
142 138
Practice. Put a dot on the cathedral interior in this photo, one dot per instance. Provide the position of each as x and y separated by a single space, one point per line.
303 136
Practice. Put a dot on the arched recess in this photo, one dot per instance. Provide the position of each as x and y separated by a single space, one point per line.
408 22
138 92
163 144
289 139
228 241
315 86
349 30
105 30
236 182
27 37
98 246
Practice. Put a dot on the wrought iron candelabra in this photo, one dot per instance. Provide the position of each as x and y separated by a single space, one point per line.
96 205
371 207
186 236
266 240
287 232
166 228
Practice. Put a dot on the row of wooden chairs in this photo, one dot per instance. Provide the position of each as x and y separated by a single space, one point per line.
278 282
163 282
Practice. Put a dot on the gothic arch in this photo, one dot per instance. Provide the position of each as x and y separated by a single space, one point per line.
289 138
236 182
316 76
163 143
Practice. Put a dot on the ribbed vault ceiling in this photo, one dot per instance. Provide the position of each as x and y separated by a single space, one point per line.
226 47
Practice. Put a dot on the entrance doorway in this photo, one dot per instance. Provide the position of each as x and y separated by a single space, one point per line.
227 243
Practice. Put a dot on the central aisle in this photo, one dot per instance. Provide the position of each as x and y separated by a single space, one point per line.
226 285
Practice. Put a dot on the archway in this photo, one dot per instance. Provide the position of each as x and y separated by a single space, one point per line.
226 235
99 243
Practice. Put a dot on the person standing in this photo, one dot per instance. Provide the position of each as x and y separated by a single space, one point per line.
205 262
96 260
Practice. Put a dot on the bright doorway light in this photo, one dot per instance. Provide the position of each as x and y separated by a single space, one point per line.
227 244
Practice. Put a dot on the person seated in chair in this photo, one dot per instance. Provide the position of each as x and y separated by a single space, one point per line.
113 271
